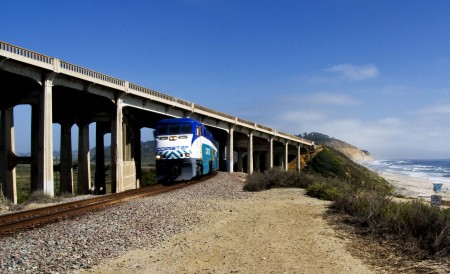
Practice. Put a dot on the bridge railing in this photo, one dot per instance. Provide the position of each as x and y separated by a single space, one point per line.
150 92
264 127
60 66
231 117
26 53
91 73
159 94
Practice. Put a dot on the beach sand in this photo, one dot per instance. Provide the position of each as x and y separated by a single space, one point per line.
415 187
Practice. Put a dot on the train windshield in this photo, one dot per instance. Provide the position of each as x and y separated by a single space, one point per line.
175 129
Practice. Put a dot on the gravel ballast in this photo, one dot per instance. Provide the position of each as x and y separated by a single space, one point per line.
87 240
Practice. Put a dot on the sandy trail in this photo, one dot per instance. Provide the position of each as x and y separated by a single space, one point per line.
276 231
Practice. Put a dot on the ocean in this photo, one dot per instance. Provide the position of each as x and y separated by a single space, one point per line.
436 170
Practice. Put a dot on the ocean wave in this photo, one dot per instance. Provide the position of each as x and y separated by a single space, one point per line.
426 169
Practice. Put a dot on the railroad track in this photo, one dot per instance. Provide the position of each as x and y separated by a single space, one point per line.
29 219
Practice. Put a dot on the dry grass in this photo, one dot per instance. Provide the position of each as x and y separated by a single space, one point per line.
384 254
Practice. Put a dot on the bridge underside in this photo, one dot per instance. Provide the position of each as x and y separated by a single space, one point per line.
59 101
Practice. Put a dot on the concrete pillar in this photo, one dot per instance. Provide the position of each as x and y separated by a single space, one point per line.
127 142
299 159
35 117
286 156
7 171
65 164
84 163
230 151
137 155
100 180
45 153
117 148
270 165
250 154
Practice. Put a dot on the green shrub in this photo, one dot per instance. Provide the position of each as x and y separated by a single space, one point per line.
148 177
368 207
323 191
429 225
331 163
40 197
278 177
256 182
446 211
426 227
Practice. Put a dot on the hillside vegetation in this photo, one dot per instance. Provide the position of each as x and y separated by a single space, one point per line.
351 151
364 198
330 163
329 169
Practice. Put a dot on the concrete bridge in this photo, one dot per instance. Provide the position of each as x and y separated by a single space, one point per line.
67 94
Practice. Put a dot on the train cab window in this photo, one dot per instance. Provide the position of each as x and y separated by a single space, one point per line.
186 129
198 131
162 130
174 129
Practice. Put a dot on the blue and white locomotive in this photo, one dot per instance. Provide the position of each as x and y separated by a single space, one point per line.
185 149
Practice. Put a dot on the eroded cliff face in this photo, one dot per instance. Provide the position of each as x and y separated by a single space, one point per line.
351 151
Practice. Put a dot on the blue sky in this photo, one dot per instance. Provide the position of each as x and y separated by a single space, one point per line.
373 73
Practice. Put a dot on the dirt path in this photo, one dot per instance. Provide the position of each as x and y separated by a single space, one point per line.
276 231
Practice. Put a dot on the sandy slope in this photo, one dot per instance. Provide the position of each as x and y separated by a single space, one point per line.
276 231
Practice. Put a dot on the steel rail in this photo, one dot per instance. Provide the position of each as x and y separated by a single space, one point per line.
28 219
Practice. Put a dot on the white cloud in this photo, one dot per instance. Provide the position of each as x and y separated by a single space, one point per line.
386 137
421 133
333 99
322 98
306 116
438 109
395 89
354 72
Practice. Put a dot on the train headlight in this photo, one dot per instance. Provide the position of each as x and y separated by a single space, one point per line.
158 157
187 155
172 138
182 137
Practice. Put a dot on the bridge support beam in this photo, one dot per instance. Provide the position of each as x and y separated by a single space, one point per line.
45 153
35 117
117 148
100 180
137 156
270 156
230 150
299 159
8 172
84 162
286 156
65 163
250 154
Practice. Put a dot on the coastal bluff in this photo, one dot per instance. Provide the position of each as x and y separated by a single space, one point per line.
349 150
